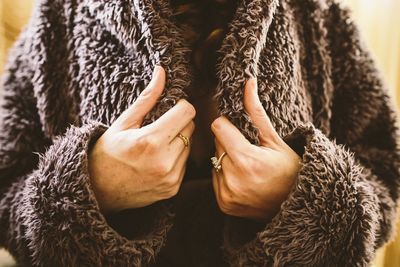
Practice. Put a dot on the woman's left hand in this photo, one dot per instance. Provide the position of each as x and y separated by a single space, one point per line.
253 180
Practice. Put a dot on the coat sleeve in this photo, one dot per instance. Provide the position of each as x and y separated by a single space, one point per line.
343 205
48 212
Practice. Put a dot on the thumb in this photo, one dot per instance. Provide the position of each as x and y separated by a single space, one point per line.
133 116
257 112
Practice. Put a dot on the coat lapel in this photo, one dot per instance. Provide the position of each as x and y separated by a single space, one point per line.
240 52
147 28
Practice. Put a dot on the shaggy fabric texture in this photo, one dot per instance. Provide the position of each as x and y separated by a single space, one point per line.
80 64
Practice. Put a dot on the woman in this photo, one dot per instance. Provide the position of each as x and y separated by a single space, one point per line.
101 164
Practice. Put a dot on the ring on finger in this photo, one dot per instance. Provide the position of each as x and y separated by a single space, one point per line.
184 139
216 162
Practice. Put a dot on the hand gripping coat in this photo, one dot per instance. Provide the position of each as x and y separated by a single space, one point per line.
79 64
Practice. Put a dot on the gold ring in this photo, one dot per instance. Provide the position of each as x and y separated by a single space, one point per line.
184 139
216 162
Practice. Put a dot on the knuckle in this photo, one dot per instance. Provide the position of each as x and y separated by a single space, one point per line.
188 109
230 186
243 163
248 164
226 200
259 110
189 129
161 170
171 187
140 141
148 141
256 166
146 94
225 208
171 181
259 165
173 191
192 126
216 123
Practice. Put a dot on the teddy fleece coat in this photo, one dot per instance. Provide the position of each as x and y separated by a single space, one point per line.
80 64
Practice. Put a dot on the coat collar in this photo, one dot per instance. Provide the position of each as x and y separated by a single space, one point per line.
147 27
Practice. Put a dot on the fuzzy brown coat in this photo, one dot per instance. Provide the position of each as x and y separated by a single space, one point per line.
80 64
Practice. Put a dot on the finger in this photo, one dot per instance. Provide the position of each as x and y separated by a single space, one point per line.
220 192
219 150
180 165
216 177
226 165
175 155
257 112
133 116
177 144
170 124
217 186
228 136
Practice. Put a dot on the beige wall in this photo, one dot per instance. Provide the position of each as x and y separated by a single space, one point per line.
378 20
14 14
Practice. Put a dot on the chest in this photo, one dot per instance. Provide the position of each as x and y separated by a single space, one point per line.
111 75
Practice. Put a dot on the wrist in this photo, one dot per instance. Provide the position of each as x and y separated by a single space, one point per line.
96 181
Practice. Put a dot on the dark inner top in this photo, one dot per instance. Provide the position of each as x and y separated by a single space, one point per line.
204 24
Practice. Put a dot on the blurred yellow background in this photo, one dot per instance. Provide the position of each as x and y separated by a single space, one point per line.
379 21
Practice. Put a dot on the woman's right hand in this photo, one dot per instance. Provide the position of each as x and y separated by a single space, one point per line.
132 166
